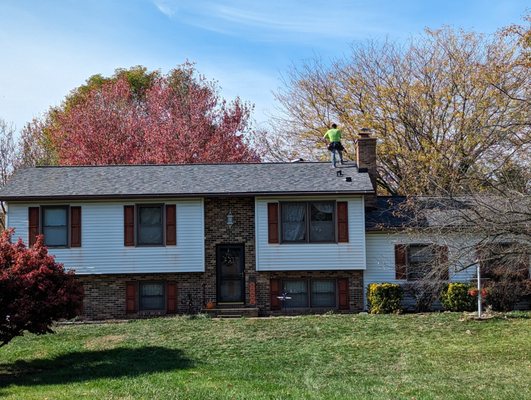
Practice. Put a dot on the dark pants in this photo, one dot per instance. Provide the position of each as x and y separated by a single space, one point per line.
336 147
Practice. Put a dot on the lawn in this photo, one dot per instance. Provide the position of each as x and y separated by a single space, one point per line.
432 356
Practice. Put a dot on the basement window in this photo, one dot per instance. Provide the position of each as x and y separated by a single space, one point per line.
151 296
323 293
310 293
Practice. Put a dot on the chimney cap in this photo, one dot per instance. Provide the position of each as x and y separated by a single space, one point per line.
365 132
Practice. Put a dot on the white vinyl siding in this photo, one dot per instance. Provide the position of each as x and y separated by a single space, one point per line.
311 256
102 248
381 256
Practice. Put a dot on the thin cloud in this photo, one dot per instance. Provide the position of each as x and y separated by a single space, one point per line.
275 19
168 8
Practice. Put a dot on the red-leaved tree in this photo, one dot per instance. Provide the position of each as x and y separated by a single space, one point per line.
138 117
34 289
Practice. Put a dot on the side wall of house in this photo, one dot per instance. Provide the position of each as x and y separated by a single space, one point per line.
105 295
263 282
102 248
107 268
381 256
312 256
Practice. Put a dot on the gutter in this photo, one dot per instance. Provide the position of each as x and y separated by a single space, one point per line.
181 195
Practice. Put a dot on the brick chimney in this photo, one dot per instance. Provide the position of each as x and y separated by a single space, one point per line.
366 159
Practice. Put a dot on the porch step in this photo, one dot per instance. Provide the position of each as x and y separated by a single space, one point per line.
220 306
225 312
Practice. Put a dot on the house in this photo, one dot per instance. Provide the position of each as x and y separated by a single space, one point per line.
249 239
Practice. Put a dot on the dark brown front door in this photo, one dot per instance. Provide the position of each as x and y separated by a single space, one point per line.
230 278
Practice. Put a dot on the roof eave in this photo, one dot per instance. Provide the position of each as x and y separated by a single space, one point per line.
182 195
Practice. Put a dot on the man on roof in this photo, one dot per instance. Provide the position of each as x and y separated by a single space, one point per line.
334 136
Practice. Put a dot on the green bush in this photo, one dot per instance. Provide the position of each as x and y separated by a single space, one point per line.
384 298
455 297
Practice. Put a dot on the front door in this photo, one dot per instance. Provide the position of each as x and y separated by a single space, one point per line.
230 278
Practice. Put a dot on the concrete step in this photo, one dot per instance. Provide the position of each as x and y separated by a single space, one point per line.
226 312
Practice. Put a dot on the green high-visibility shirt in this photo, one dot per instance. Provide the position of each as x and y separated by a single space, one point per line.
334 135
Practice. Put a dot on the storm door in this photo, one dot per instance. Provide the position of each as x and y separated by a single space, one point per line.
230 278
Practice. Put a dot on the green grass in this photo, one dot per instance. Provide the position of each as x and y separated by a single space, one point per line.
431 356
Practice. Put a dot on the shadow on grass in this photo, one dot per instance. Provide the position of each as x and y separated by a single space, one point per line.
84 366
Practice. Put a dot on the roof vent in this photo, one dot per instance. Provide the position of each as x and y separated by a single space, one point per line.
348 179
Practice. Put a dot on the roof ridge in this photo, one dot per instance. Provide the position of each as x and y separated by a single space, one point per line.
183 164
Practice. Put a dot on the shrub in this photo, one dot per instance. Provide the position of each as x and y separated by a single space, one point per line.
384 298
458 297
424 292
504 294
34 289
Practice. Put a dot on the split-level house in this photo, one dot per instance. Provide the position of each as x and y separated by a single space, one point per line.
251 239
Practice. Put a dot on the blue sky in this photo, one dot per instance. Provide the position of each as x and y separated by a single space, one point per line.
47 48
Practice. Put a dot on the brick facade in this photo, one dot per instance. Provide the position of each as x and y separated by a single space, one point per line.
355 289
105 294
217 232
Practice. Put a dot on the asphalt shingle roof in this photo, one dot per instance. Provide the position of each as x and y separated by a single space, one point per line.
387 214
183 180
396 212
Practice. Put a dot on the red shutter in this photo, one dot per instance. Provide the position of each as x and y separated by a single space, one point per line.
171 298
75 226
342 222
342 291
275 288
272 222
171 224
129 225
130 297
33 224
400 261
442 256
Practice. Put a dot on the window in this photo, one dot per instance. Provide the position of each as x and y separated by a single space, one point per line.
150 226
321 295
55 226
294 222
420 260
298 291
303 222
151 296
322 222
